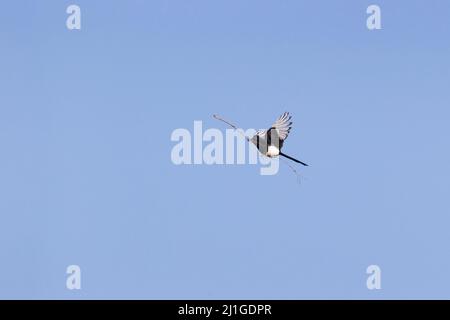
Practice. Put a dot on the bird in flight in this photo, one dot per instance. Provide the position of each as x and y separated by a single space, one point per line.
269 142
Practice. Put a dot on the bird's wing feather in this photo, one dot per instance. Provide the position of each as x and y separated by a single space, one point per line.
261 133
283 125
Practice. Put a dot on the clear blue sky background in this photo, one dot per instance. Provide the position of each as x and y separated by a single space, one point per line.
85 170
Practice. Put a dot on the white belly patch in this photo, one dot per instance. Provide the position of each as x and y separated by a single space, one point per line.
273 151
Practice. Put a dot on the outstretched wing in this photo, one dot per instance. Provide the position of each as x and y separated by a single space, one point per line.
283 126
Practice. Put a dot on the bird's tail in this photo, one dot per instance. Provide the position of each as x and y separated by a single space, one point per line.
290 158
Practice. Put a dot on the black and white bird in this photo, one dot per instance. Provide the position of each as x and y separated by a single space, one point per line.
269 142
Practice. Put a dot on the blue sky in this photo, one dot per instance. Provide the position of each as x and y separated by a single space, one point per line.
86 176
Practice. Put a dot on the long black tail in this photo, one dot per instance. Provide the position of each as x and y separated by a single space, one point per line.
290 158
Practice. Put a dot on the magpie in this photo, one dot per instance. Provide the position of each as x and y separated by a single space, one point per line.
269 142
